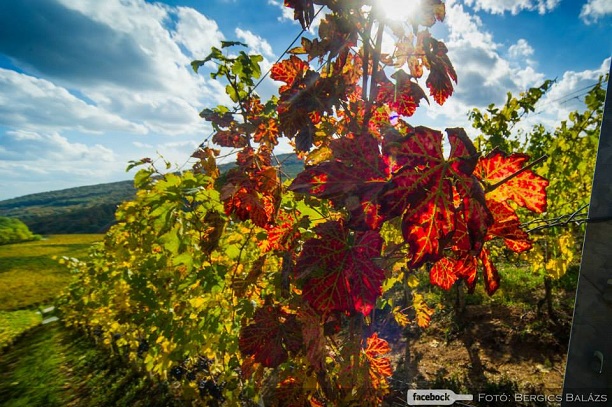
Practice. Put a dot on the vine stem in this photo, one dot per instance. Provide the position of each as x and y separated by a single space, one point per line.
369 99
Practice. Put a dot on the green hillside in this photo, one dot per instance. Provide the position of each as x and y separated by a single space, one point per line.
89 209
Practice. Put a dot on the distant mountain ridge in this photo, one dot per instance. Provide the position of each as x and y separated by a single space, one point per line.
91 209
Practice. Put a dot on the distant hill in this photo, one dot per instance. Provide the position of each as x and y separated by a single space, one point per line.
90 209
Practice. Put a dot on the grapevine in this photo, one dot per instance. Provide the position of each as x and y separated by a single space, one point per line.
241 286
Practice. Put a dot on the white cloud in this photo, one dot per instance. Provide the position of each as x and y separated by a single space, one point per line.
287 13
593 10
520 49
142 145
38 147
567 93
196 32
118 70
484 75
30 103
513 6
257 44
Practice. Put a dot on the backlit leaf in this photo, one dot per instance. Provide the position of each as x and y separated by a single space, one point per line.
443 273
526 189
288 71
379 365
508 227
404 96
422 310
339 271
272 334
354 178
441 70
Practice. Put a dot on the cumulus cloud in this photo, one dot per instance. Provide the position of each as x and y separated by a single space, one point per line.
593 10
32 146
513 6
484 75
83 51
287 13
520 49
115 69
255 42
566 93
31 103
196 32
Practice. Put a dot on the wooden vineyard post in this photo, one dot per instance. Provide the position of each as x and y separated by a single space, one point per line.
588 373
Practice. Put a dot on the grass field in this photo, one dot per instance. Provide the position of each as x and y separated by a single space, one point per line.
29 276
52 367
49 365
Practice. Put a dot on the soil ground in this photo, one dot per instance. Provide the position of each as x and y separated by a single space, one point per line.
491 349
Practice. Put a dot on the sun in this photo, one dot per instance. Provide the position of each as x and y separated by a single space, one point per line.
398 9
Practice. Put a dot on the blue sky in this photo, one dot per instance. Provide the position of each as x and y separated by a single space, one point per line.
87 85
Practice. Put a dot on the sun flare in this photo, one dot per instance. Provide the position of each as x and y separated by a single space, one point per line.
398 9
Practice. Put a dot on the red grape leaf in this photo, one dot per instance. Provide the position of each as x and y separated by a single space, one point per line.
283 235
314 340
289 71
379 366
272 334
422 190
292 392
404 96
251 190
526 189
230 138
267 132
441 70
338 269
467 269
354 178
491 277
443 273
247 203
473 218
508 227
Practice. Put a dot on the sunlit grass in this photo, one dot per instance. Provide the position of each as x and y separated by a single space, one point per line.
29 275
51 367
13 324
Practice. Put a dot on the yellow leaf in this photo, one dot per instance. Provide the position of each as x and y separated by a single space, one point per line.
413 281
197 302
423 312
401 318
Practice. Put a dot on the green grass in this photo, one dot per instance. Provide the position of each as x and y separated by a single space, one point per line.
29 276
13 324
52 367
519 287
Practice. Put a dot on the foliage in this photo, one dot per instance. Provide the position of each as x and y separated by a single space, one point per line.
568 153
240 285
14 231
